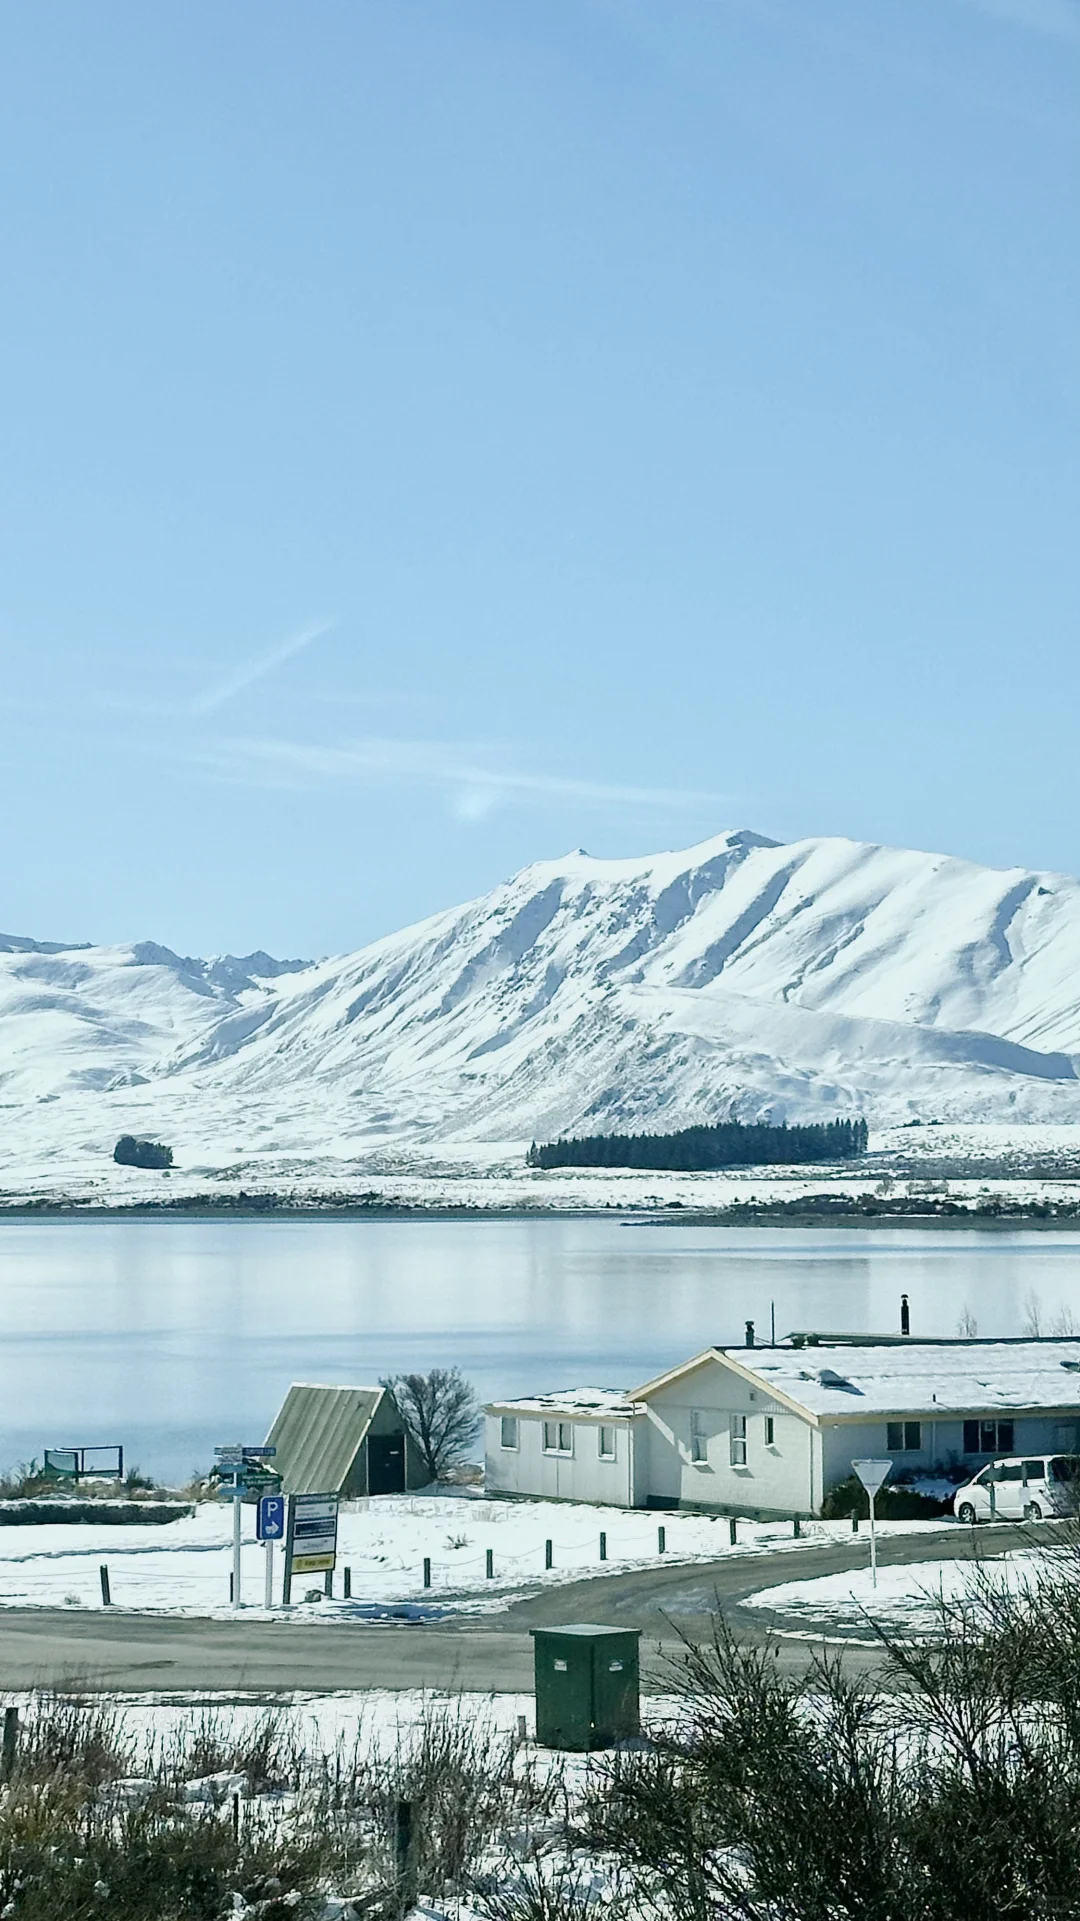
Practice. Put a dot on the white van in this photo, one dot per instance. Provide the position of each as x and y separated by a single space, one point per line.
1033 1488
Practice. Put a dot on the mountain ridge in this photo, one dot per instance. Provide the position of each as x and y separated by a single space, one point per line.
744 977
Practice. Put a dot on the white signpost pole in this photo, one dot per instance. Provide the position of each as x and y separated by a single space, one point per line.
237 1522
872 1474
268 1588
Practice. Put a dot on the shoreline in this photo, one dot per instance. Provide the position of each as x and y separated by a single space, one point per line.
1002 1219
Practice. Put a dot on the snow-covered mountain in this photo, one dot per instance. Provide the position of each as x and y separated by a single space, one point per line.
742 976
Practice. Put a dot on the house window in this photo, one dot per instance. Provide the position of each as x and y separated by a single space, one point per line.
699 1440
903 1437
988 1437
738 1440
605 1443
770 1430
558 1437
508 1436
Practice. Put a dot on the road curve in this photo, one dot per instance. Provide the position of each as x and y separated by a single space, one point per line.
128 1652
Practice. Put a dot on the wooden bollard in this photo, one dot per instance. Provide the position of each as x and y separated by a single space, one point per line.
106 1591
733 1535
854 1524
603 1545
427 1570
547 1553
796 1529
11 1742
404 1857
489 1564
348 1583
328 1584
661 1540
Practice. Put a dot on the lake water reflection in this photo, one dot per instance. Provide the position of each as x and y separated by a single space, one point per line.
171 1336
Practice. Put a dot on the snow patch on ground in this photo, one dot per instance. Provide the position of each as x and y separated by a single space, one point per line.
183 1567
906 1597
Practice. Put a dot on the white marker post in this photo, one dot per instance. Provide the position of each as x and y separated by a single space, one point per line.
872 1474
268 1585
237 1520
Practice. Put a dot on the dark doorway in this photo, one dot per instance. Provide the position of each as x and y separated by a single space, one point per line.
386 1464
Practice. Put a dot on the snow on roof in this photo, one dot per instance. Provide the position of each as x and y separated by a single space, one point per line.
919 1377
611 1401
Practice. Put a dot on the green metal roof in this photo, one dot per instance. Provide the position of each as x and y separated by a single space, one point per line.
318 1433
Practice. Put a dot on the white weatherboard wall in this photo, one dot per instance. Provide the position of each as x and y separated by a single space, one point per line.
580 1474
781 1476
1045 1432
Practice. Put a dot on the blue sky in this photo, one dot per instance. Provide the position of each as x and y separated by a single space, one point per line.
440 433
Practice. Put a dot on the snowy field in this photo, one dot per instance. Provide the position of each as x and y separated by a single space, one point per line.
1022 1165
184 1566
905 1598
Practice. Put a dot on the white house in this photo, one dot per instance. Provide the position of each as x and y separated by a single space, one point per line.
768 1430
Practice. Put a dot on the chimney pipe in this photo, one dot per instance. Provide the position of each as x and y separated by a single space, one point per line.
905 1315
749 1333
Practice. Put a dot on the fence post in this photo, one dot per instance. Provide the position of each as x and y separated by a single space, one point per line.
732 1531
328 1584
603 1546
661 1540
489 1564
236 1817
404 1857
106 1592
521 1731
547 1554
796 1530
11 1741
348 1583
854 1524
427 1583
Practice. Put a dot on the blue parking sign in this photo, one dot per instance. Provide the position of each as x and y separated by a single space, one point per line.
271 1526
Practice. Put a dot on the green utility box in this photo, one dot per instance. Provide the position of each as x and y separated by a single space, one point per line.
587 1686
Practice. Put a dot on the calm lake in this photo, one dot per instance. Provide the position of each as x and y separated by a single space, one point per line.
173 1336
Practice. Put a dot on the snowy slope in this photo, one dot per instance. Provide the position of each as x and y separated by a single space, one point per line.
799 980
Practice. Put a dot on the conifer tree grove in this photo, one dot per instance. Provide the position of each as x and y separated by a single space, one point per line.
695 1149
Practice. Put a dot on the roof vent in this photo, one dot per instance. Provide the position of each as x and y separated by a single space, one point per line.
830 1378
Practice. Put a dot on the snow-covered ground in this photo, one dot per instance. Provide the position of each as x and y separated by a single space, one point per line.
905 1597
495 1177
184 1566
797 981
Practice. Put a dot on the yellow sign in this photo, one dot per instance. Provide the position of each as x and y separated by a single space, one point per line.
312 1563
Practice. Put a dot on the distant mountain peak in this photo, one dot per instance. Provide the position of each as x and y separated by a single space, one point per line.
744 976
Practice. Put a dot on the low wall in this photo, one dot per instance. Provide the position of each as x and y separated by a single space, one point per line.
102 1513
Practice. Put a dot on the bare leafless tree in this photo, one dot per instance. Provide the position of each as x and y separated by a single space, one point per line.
441 1416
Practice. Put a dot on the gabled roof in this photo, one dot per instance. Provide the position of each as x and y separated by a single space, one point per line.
838 1379
736 1363
318 1433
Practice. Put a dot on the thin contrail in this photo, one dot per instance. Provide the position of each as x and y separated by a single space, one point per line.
254 670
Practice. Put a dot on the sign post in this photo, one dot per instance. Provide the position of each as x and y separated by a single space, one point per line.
244 1464
872 1474
310 1537
271 1528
